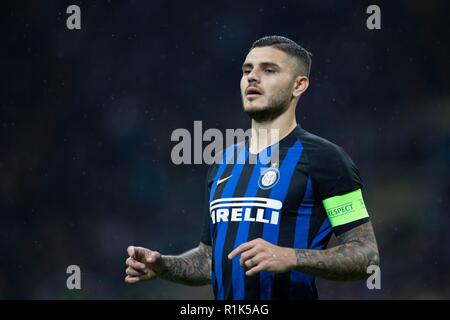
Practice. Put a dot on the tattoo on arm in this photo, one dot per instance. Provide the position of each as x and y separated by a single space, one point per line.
191 268
347 261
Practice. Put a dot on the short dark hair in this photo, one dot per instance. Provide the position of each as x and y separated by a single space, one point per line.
290 47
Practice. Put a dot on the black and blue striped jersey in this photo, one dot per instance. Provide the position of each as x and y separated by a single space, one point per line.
280 201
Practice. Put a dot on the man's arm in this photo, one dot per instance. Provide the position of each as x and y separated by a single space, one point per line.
347 261
191 268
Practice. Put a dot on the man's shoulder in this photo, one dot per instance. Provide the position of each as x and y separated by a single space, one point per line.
331 168
318 147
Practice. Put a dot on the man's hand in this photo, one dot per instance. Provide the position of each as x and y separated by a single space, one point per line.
191 268
143 264
259 255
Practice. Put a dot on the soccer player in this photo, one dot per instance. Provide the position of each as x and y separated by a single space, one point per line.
268 223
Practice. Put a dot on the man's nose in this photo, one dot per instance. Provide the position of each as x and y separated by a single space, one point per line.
253 76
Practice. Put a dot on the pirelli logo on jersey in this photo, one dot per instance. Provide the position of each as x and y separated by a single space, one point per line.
251 209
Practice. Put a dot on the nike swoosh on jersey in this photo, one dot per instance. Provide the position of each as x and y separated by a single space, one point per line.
223 180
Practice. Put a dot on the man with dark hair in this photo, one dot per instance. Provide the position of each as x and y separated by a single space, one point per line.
291 48
267 224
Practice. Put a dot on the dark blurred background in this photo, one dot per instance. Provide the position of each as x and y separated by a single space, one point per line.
86 118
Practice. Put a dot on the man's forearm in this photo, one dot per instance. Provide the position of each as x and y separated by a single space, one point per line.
191 268
347 261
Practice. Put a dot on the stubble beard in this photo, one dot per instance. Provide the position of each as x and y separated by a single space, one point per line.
276 106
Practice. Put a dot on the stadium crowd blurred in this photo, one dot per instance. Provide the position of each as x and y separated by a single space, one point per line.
86 119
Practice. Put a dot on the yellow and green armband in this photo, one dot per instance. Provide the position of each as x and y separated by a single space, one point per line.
345 208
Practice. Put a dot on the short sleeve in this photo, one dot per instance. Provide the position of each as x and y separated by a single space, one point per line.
335 173
206 235
206 230
339 187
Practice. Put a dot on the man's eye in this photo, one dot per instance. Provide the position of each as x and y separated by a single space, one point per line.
270 70
246 71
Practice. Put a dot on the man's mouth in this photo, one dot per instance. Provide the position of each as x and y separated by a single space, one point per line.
253 92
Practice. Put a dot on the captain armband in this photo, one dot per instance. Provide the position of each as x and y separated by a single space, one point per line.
345 208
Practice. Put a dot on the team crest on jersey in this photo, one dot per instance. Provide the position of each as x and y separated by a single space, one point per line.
269 178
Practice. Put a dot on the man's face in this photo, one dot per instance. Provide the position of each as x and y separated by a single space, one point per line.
267 83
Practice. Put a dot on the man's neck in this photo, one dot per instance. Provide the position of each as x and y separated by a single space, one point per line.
265 134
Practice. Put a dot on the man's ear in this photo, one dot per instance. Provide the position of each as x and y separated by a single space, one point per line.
301 83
